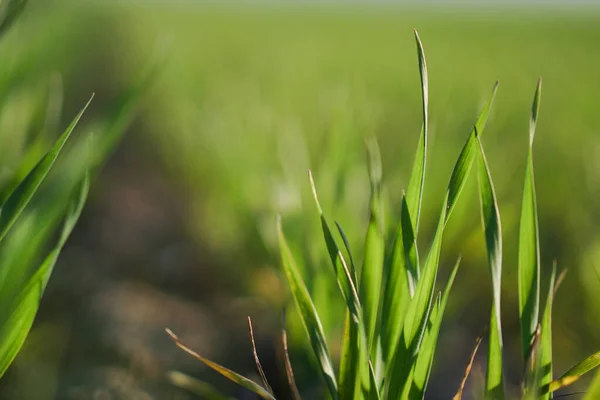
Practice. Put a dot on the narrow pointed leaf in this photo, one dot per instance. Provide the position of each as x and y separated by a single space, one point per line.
227 373
545 355
529 252
490 217
22 194
259 367
593 391
308 313
573 374
414 192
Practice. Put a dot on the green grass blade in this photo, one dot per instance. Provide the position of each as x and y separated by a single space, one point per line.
416 182
490 217
593 391
529 252
424 362
417 317
308 313
350 360
15 328
22 194
195 386
227 373
467 154
545 353
372 267
396 294
374 395
575 372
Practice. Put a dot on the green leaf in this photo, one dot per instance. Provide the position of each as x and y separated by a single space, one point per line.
227 373
416 182
490 217
465 159
23 309
372 268
573 374
529 252
545 351
195 386
424 361
593 391
22 194
396 294
308 313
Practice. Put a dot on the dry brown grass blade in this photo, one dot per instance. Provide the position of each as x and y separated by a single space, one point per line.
259 367
289 372
458 395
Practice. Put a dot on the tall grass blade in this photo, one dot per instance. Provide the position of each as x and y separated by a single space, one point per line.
372 268
227 373
461 388
308 313
575 372
22 194
414 193
259 367
490 217
289 372
593 391
529 252
24 307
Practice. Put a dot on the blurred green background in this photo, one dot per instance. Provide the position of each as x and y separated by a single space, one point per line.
180 228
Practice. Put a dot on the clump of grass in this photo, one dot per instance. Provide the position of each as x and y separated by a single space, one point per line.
393 312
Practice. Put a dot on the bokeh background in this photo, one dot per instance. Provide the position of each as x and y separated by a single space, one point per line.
179 231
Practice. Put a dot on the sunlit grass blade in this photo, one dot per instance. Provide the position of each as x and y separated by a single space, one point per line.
396 294
352 265
24 308
374 395
195 386
372 267
414 193
289 372
575 372
308 313
467 154
529 252
461 388
593 391
490 217
424 361
22 194
259 367
531 389
417 317
227 373
350 360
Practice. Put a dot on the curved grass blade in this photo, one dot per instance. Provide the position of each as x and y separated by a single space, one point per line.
467 154
289 372
414 193
575 372
352 266
529 251
22 194
490 217
396 294
461 388
545 356
308 313
372 268
374 395
424 361
195 386
227 373
259 367
15 328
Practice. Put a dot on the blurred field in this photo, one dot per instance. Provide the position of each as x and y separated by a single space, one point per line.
183 220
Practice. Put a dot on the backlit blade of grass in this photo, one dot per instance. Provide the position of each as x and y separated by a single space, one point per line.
426 354
490 217
396 294
545 356
593 391
414 193
24 308
465 159
573 374
227 373
372 267
22 194
308 313
529 252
